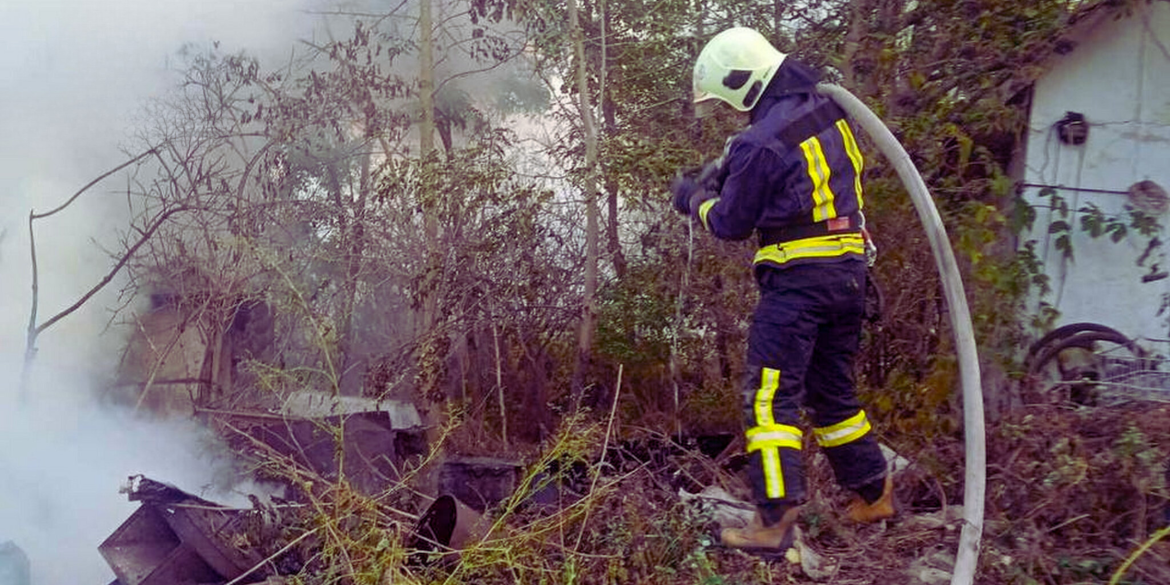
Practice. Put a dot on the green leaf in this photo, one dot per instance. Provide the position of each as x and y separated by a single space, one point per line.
1023 215
1118 234
1064 245
1092 225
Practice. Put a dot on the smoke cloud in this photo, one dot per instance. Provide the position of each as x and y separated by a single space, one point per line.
75 74
65 458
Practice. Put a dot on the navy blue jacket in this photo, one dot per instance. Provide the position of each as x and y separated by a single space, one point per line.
793 177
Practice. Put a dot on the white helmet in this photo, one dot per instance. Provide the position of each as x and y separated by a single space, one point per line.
735 66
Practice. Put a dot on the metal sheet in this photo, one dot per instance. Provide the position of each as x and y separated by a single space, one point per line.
174 537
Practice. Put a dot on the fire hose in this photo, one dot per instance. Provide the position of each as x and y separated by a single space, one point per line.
975 479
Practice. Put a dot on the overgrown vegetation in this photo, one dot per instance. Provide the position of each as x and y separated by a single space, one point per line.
1072 493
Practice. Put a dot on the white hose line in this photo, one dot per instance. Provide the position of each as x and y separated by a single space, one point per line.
975 482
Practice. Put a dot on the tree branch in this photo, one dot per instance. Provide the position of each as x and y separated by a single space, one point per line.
158 222
33 216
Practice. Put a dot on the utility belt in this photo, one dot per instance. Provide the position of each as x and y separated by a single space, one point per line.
849 224
832 239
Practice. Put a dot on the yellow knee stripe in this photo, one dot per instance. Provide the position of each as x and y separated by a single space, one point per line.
774 436
846 431
768 440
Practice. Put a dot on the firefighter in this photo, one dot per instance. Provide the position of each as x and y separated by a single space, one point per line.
793 178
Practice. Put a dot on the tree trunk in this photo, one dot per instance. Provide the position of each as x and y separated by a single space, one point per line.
426 143
609 116
432 350
592 228
353 246
611 198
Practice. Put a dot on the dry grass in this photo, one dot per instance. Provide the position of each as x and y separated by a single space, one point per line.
1072 494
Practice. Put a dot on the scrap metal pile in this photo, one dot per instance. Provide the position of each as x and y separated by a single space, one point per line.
178 537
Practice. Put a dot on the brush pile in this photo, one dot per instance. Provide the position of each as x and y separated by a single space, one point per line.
1075 495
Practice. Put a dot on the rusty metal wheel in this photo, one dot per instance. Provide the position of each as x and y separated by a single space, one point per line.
1079 364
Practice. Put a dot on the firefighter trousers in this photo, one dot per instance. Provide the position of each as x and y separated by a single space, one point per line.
802 344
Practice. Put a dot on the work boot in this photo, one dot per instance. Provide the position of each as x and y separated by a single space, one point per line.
867 513
767 541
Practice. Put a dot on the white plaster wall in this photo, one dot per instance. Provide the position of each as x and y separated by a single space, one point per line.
1119 78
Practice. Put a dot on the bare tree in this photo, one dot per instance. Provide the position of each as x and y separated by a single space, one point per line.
35 329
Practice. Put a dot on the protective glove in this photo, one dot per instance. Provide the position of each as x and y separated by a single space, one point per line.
684 187
712 175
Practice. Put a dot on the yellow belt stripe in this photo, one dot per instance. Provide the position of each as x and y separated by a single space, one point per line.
854 155
846 431
817 247
818 173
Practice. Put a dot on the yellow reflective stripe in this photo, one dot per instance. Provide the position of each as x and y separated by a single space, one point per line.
769 383
843 432
768 440
704 209
818 247
773 473
818 173
773 436
854 155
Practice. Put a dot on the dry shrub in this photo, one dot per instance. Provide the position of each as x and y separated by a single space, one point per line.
615 518
1071 492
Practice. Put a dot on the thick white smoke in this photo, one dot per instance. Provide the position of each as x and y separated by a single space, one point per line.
64 458
75 72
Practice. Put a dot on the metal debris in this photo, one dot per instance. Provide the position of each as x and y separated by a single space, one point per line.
175 537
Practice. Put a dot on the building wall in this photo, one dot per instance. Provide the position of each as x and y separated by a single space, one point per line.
1118 77
175 361
164 347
